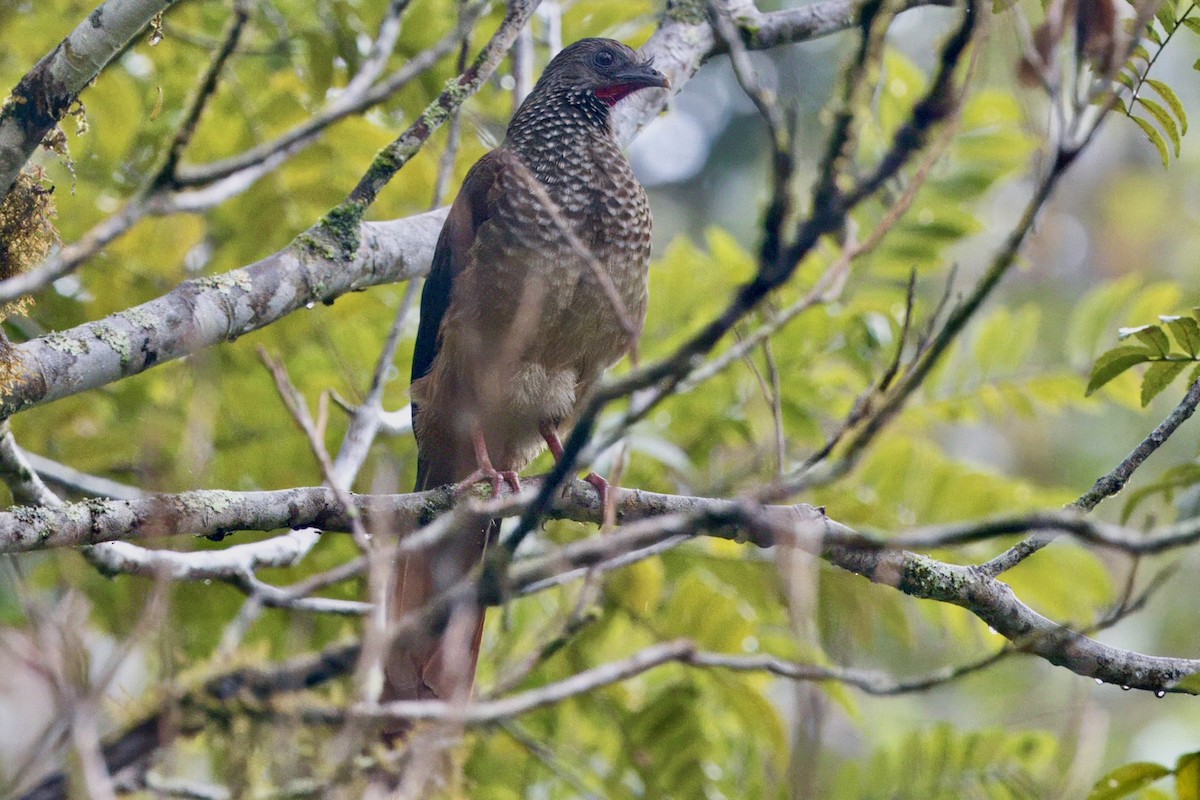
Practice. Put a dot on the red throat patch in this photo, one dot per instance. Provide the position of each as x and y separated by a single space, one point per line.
611 95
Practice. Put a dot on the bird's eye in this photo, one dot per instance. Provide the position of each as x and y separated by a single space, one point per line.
603 59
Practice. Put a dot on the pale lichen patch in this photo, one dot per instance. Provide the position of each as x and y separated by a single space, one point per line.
117 340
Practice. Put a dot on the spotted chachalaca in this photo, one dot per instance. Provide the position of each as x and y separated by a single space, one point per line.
538 285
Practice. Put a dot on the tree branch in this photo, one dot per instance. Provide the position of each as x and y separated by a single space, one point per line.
1107 485
183 715
194 189
41 98
263 684
649 520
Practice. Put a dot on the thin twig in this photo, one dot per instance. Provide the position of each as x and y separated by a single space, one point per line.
1106 486
295 404
206 87
367 418
441 184
72 480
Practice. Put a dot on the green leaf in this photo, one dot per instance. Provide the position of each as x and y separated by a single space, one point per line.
1159 377
1166 16
1092 317
707 611
1164 119
1124 781
1150 335
1153 35
1186 332
1155 137
1192 24
1172 100
1174 479
1140 52
1004 340
1190 684
667 740
945 764
1113 363
1187 777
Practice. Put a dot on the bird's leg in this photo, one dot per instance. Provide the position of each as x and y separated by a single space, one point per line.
556 450
485 470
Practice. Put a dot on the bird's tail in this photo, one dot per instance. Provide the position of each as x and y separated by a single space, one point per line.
440 665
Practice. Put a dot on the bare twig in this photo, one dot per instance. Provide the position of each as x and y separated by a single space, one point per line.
73 480
299 410
441 185
397 154
1106 486
1115 480
231 564
375 61
18 474
164 173
368 418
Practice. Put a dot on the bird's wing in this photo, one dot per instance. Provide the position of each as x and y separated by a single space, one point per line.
472 207
434 665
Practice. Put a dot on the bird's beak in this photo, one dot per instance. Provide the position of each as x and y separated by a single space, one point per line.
642 76
629 80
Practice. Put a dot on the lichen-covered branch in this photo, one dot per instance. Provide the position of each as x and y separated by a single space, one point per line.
184 714
41 98
206 311
650 519
193 189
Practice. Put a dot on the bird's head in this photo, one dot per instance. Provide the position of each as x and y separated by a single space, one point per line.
604 68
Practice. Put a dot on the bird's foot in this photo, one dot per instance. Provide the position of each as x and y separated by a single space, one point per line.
602 488
494 477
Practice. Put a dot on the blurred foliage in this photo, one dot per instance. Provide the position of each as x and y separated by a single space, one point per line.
1132 780
945 763
1007 423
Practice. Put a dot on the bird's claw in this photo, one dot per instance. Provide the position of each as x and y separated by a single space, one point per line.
494 477
602 487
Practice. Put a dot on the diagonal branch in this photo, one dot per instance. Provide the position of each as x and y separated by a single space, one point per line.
44 95
1106 486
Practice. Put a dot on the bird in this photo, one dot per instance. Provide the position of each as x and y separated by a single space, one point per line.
539 283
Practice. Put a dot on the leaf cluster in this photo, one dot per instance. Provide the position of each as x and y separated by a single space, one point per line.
1164 120
1168 355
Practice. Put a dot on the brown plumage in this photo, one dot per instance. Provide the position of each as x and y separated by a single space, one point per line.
538 285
